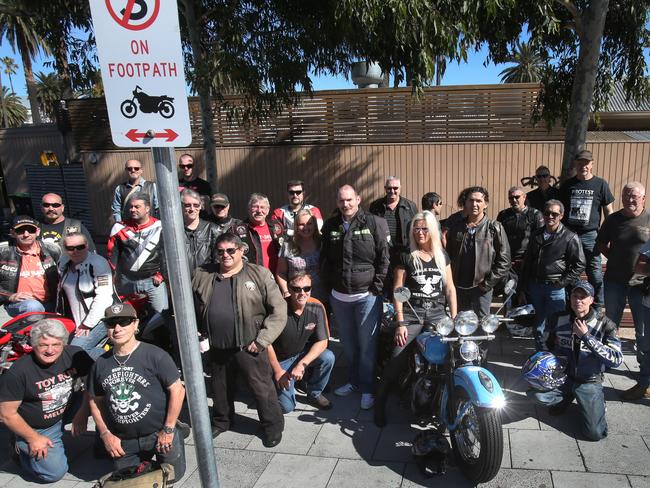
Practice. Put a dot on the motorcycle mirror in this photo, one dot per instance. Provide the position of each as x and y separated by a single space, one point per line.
402 294
510 286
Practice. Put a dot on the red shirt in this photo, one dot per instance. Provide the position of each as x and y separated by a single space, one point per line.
265 242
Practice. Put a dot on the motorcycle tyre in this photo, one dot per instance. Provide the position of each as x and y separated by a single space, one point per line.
129 105
166 109
488 464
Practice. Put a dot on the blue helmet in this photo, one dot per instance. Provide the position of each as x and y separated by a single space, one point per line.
544 371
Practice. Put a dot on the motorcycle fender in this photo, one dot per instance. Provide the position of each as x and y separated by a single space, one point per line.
472 379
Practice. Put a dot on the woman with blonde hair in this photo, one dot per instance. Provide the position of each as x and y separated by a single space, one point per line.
426 272
301 252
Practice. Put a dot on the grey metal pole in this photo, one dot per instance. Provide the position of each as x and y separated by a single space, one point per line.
181 292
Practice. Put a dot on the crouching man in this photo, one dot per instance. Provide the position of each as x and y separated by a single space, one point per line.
589 344
36 400
300 353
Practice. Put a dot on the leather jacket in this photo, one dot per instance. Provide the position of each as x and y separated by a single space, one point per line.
492 251
406 210
519 225
139 249
10 263
558 260
247 233
200 244
588 356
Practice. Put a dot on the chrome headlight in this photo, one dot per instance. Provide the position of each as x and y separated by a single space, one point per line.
445 326
469 351
490 323
466 322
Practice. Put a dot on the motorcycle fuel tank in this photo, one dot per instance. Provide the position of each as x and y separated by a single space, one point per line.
432 348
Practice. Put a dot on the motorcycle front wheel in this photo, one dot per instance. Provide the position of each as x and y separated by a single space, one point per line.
128 109
477 440
166 109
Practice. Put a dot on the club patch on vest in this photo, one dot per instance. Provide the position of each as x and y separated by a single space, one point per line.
117 308
310 326
250 286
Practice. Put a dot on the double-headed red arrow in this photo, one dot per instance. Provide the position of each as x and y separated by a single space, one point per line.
136 136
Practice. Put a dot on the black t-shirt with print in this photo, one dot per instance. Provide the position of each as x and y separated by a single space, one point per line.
135 395
307 328
425 284
582 201
44 390
199 185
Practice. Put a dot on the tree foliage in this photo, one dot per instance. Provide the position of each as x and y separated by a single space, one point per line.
12 112
527 65
49 90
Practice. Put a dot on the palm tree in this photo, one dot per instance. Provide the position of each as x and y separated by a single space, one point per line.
19 31
49 90
12 112
10 69
528 65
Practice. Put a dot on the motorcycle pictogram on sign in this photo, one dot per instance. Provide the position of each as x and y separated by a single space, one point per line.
148 104
133 14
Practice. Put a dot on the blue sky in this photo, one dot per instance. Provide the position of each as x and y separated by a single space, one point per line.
455 75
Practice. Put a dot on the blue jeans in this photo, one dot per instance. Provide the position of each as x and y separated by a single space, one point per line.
547 300
317 376
157 295
591 402
593 265
643 350
89 343
359 328
55 465
17 308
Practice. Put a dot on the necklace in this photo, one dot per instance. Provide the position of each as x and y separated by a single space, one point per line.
121 364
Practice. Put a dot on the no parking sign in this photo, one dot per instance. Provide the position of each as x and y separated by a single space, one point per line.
141 62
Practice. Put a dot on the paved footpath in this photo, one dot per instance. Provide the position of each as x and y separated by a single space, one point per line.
343 448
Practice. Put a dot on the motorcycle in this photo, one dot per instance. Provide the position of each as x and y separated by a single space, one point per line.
452 391
148 104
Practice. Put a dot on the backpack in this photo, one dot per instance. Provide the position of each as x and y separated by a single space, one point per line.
144 475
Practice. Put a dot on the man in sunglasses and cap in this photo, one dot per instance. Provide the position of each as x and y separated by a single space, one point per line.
28 272
241 310
55 225
220 205
287 213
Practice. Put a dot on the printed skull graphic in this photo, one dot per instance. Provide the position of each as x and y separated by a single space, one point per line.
124 399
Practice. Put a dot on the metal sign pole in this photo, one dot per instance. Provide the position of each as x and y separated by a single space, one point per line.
181 292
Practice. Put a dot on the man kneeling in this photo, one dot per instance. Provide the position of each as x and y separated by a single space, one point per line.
589 344
301 350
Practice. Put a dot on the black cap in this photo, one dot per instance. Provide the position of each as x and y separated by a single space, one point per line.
23 220
585 154
120 310
585 286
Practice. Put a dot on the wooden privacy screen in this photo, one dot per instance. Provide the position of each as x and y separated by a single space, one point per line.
441 114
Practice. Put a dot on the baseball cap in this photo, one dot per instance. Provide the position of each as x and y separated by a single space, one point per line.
23 220
584 286
585 154
220 199
120 310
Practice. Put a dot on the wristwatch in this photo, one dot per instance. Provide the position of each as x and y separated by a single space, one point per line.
168 430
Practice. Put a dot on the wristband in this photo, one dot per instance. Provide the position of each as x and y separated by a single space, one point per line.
104 433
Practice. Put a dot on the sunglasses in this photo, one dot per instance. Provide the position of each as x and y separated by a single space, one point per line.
132 169
123 322
53 205
26 228
545 175
514 197
186 166
231 251
422 230
394 188
551 214
298 289
192 205
295 192
80 247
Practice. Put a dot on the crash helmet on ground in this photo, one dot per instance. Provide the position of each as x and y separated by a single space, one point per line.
544 371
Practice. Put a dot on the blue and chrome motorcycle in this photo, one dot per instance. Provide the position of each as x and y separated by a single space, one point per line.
451 391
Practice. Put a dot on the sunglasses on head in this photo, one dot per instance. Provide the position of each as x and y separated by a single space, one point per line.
394 188
230 250
29 228
122 322
80 247
184 166
295 192
548 213
131 169
51 204
298 289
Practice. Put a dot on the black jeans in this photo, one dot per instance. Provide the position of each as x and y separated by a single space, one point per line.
256 369
144 449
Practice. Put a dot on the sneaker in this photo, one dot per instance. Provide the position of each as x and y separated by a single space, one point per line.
320 402
637 392
345 390
367 401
